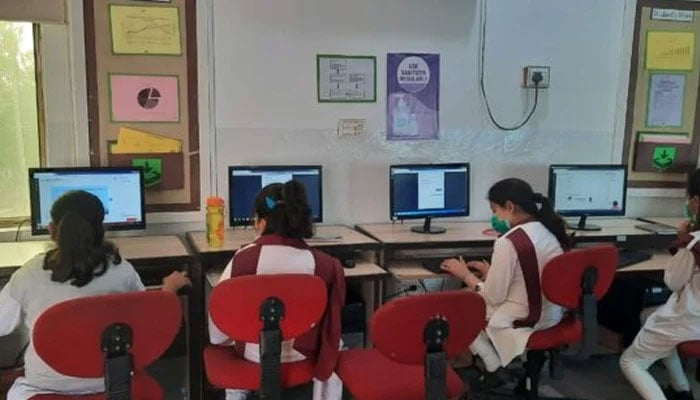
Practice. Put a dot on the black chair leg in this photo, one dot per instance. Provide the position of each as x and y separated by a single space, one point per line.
533 368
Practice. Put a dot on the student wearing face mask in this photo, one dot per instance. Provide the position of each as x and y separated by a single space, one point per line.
532 234
675 322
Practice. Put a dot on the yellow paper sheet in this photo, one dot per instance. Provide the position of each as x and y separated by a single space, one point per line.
134 141
145 30
670 51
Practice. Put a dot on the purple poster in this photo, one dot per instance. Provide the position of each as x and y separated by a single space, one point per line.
413 93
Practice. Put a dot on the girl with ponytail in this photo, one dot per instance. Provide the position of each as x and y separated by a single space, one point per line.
283 222
532 234
82 264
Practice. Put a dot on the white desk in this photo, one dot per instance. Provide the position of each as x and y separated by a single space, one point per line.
234 239
657 262
670 221
612 227
400 235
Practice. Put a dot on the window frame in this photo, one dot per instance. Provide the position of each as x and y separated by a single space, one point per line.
19 220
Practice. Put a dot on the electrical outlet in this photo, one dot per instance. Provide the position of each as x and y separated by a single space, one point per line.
530 70
351 126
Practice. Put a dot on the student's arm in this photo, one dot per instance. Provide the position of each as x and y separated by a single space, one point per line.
680 268
500 275
10 310
134 283
215 335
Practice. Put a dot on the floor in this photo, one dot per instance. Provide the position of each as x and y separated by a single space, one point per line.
598 378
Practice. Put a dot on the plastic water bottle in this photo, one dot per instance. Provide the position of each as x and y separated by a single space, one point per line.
215 221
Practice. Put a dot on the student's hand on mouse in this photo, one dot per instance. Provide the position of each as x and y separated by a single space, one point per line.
456 267
684 227
176 281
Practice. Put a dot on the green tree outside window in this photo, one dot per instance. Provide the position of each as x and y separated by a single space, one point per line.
19 128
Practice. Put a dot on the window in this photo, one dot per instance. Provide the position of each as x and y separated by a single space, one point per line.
19 118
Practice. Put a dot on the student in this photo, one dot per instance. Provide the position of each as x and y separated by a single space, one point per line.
676 321
283 221
82 264
515 306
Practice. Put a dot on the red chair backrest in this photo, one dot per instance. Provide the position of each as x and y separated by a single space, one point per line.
235 304
561 277
397 327
68 335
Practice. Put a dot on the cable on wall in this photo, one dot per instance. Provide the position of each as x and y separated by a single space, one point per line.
482 53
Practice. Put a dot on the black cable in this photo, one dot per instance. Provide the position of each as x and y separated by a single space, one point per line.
19 229
483 86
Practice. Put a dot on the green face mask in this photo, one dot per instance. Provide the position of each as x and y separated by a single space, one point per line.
499 225
689 213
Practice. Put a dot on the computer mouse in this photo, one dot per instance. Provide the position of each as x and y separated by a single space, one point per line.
349 263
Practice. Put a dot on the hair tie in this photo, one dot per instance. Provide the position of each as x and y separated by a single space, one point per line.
272 203
538 198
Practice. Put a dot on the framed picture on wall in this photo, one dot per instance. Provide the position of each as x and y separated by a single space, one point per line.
144 98
346 79
145 30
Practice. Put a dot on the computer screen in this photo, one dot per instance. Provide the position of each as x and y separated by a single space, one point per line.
245 182
121 191
593 190
429 190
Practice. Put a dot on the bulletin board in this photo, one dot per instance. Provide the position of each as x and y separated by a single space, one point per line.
141 60
661 140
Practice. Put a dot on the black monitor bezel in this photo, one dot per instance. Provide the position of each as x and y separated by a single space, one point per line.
466 213
551 190
245 222
35 207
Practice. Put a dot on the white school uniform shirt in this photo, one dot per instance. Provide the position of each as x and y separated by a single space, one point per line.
506 295
678 320
29 293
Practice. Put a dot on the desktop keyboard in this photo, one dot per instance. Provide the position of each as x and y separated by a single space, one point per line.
434 265
631 257
625 259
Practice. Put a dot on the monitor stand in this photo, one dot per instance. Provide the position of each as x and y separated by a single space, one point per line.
583 226
426 228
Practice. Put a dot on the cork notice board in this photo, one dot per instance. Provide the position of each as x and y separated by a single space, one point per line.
661 144
141 60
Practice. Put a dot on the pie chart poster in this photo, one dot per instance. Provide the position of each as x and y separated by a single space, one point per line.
144 98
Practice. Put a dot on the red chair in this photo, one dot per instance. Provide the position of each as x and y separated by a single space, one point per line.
692 350
265 310
414 336
575 280
113 336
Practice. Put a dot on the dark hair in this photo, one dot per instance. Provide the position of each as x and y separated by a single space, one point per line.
694 184
521 194
286 210
81 253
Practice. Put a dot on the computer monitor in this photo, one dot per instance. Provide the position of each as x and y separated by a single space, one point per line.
245 182
121 191
588 190
428 191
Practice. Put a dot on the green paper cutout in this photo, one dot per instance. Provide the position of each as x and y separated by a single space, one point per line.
663 157
152 170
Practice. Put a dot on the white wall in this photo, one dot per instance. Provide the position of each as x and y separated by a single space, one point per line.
257 66
266 109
